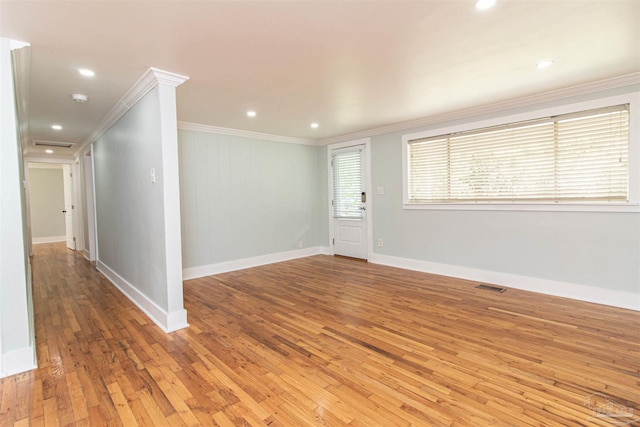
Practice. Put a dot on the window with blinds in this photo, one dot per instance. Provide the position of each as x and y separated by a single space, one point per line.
580 157
347 184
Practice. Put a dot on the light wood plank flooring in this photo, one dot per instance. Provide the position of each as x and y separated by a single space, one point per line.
322 341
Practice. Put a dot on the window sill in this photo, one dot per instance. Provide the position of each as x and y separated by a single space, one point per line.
535 207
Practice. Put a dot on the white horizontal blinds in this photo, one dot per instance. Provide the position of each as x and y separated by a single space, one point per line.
503 164
577 157
593 157
347 184
428 170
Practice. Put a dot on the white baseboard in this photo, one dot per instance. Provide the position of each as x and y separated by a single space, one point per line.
52 239
87 255
621 299
240 264
168 322
18 361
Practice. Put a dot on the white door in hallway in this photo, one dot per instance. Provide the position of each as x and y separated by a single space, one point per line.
349 201
68 207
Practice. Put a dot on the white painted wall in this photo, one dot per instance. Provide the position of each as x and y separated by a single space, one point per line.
593 256
17 349
46 195
245 198
137 220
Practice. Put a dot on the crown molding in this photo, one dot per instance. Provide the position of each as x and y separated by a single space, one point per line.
168 78
244 133
15 44
154 76
149 80
555 95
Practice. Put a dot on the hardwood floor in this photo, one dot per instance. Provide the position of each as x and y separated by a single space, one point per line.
322 341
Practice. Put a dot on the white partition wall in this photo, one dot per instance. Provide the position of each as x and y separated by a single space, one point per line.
137 200
17 349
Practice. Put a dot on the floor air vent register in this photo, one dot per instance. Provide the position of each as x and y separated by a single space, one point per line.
491 288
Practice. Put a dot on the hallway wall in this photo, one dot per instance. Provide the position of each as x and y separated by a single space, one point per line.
137 202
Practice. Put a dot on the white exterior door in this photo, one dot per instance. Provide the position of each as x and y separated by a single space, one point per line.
349 201
68 206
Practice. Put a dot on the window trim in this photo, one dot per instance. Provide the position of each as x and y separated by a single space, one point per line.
633 205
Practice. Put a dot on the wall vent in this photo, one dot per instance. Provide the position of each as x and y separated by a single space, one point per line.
491 288
59 144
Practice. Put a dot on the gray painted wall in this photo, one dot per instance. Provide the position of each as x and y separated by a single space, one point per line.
46 197
244 197
586 248
129 208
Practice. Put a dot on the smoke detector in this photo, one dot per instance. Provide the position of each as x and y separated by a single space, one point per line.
79 98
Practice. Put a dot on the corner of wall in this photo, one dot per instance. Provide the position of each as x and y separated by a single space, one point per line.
165 320
241 264
18 361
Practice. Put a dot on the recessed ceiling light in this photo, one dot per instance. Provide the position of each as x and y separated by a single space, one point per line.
251 113
86 72
484 4
56 127
314 125
544 64
48 151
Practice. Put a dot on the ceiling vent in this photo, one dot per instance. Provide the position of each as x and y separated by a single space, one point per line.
59 144
79 98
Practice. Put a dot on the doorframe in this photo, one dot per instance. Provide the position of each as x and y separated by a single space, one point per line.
78 211
75 185
368 204
87 162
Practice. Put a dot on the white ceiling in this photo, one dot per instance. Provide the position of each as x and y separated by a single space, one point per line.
348 65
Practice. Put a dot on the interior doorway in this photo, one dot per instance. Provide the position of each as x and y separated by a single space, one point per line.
50 203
